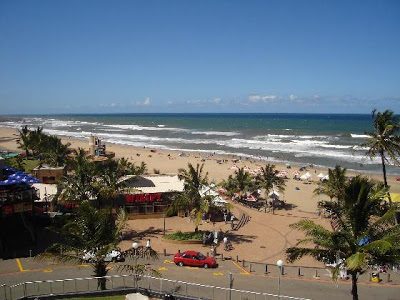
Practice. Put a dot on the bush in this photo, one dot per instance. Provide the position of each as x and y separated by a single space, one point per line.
185 236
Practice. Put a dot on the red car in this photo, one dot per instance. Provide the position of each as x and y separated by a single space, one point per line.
194 259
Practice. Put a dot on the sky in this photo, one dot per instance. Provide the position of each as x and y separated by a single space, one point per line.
199 56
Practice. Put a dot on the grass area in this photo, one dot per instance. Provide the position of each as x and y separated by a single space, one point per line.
28 164
185 236
117 297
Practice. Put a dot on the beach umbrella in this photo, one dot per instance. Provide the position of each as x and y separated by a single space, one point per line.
321 175
305 176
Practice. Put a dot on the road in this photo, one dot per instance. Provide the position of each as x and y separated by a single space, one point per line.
14 271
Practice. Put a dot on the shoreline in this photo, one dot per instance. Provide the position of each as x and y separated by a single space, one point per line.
218 166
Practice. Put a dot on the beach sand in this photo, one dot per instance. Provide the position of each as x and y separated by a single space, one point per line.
263 239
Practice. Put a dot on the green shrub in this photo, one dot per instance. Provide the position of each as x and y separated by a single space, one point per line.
185 236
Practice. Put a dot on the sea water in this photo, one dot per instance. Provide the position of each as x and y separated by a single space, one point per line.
319 139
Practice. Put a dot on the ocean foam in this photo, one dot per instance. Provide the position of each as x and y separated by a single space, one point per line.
359 136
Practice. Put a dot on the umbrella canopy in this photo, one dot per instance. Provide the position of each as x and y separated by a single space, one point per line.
305 176
321 175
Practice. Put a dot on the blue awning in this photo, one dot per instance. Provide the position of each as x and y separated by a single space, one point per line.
17 177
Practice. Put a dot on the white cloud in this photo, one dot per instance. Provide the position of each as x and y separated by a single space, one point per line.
217 100
145 102
262 98
292 97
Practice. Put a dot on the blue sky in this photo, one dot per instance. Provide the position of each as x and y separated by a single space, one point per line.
199 56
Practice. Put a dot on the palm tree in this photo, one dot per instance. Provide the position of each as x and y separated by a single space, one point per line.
366 233
24 139
90 231
109 184
269 180
55 153
37 140
334 186
384 141
80 184
194 180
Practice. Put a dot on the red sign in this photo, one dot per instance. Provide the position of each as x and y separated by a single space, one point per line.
142 198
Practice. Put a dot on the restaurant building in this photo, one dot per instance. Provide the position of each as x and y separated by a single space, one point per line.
149 195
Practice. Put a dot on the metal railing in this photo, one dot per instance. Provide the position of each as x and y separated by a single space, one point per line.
160 286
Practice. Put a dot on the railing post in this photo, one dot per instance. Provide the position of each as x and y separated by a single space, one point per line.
123 280
24 289
112 282
186 289
88 285
63 286
75 285
51 287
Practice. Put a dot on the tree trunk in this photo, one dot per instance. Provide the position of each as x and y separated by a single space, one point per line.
100 270
384 175
354 291
383 168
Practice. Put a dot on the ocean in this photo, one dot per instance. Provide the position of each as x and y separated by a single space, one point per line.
318 139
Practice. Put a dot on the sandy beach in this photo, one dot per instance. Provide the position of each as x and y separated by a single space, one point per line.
263 239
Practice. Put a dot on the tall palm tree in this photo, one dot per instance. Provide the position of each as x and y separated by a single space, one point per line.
366 233
24 139
194 180
269 180
334 186
384 141
79 185
91 231
55 153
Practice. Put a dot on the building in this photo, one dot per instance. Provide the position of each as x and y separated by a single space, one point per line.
17 224
149 195
49 175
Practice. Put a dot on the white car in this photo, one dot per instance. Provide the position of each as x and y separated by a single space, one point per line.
114 255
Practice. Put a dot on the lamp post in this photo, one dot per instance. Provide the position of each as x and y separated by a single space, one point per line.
279 263
135 247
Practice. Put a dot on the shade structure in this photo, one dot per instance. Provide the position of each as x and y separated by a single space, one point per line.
305 176
17 177
321 175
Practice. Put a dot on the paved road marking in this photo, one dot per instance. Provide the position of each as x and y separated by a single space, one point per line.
167 261
162 269
19 264
218 274
244 271
47 270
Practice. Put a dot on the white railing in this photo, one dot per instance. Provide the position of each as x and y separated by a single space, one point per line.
151 284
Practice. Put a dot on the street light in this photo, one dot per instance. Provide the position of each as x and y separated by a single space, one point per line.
279 263
135 246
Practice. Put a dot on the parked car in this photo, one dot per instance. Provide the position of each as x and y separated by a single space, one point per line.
194 259
114 255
